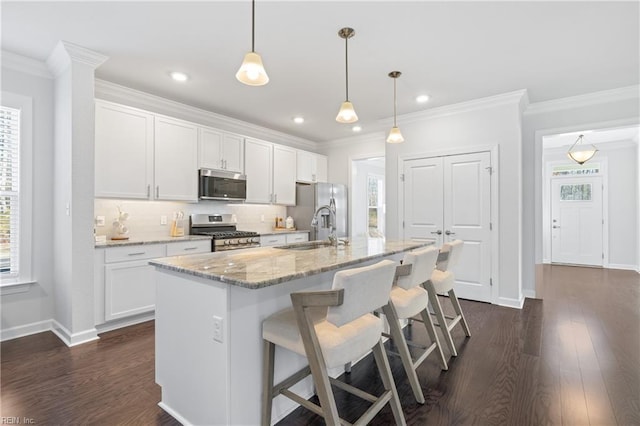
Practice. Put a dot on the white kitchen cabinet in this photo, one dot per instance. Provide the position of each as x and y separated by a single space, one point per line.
123 151
270 170
284 175
297 237
258 166
176 160
273 240
220 151
188 247
310 167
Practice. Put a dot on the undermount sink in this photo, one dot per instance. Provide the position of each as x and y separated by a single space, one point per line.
308 245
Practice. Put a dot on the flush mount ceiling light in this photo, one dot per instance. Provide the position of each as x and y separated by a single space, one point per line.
298 120
581 153
394 135
346 114
179 76
252 71
422 99
356 129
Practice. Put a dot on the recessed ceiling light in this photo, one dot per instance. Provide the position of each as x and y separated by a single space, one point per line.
298 120
356 128
422 99
179 76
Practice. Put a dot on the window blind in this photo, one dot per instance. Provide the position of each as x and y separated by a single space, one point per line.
9 191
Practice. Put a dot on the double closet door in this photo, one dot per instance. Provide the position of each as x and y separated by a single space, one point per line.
448 198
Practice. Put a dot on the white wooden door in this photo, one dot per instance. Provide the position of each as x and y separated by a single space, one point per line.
576 221
176 160
448 198
233 152
467 217
284 175
210 148
130 289
258 159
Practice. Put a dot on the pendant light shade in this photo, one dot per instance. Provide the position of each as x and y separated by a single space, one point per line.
252 71
347 113
581 153
394 134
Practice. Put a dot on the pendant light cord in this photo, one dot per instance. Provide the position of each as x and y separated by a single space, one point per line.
346 64
395 102
253 25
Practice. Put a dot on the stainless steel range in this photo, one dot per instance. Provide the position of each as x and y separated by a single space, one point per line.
223 231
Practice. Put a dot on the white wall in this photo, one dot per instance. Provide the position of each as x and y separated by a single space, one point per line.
621 196
340 153
598 110
24 313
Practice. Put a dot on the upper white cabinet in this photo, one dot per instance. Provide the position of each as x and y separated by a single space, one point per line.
176 160
271 173
258 166
219 150
311 167
123 151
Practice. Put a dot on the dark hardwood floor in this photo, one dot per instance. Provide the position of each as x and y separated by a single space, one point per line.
570 359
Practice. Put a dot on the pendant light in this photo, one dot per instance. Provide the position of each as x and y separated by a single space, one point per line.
581 153
346 114
252 71
394 135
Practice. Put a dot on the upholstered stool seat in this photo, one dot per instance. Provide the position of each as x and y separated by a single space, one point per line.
332 328
443 282
408 299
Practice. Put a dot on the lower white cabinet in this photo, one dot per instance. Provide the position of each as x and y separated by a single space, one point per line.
273 240
298 237
124 281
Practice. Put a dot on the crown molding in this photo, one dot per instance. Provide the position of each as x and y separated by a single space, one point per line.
24 64
65 53
113 92
595 98
515 98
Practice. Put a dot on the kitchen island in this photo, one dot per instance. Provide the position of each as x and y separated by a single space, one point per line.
209 313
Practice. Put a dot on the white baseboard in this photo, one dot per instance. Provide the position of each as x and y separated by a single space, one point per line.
73 339
173 413
511 303
125 322
531 294
25 330
621 266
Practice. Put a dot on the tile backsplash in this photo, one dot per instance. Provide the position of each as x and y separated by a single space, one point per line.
144 216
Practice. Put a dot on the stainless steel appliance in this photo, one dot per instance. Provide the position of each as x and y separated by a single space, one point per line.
309 197
223 232
219 185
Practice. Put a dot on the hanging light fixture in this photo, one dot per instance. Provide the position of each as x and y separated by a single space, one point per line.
252 71
394 135
346 114
581 153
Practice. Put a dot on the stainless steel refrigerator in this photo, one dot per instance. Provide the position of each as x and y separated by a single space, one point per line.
311 196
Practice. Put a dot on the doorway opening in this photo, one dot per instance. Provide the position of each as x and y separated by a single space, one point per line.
368 197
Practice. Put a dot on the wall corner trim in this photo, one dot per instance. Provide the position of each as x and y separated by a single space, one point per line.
511 303
73 339
65 53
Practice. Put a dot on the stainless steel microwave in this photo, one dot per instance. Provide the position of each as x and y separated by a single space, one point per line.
219 185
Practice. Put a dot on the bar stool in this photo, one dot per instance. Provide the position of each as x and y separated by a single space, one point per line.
407 300
332 328
442 281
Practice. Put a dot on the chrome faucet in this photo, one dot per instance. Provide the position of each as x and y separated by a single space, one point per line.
331 208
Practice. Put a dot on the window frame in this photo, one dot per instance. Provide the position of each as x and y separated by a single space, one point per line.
25 269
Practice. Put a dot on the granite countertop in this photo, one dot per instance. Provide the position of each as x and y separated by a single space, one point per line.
156 240
267 266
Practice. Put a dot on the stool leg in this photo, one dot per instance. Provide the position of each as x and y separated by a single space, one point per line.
442 321
267 381
403 350
456 307
387 379
431 331
347 367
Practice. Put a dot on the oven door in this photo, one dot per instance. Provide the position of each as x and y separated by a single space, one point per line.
218 185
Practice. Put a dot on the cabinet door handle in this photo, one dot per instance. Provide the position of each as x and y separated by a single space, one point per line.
190 248
158 191
447 232
140 253
313 177
438 232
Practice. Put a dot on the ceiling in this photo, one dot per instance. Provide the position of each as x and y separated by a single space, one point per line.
453 51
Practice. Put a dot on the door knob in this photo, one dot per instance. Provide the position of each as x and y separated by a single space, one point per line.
438 232
447 232
555 226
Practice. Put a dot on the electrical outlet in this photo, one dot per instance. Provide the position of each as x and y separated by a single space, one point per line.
163 220
100 220
262 218
217 329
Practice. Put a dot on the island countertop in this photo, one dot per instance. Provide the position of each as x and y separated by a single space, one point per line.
267 266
